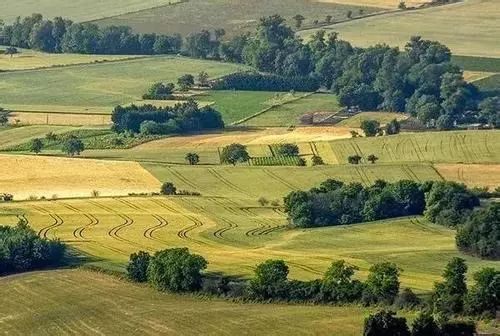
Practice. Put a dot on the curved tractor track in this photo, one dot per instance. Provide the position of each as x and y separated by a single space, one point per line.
57 221
78 232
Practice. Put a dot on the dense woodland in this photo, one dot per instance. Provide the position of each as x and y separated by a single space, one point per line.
420 80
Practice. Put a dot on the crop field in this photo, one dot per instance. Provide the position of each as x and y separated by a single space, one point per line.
479 64
10 137
389 4
235 16
26 176
473 174
382 117
102 85
88 303
70 119
439 147
236 234
77 10
28 59
490 84
289 113
471 21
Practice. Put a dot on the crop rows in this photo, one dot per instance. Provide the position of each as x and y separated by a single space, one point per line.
275 161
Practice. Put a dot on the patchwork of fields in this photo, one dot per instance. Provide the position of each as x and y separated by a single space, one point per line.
236 234
471 21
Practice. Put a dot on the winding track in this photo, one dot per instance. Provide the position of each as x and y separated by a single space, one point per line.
58 221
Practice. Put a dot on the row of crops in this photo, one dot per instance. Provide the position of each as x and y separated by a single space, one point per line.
277 161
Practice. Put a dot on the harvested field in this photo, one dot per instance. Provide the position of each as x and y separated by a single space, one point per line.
471 174
474 76
77 119
389 4
25 176
472 21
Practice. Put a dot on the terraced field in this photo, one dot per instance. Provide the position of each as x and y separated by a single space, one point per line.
235 234
88 303
471 21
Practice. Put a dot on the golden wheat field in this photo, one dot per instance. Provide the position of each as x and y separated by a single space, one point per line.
26 176
389 4
476 175
62 119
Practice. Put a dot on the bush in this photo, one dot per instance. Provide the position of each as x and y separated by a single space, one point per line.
407 299
137 268
270 281
286 149
338 284
483 298
160 91
385 323
317 160
370 127
382 284
176 270
458 328
234 153
424 325
168 188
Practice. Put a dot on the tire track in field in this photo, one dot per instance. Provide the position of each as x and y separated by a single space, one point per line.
305 268
22 217
182 178
57 221
226 182
280 179
220 232
78 232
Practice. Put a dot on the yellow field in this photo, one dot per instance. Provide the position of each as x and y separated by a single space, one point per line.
472 76
476 175
28 59
25 176
389 4
70 119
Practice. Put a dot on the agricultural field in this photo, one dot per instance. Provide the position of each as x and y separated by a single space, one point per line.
37 176
490 84
69 119
235 16
289 114
476 175
471 21
382 117
10 137
76 10
29 59
88 303
388 4
102 85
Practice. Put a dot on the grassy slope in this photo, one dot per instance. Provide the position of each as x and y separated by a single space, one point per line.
77 10
235 16
102 85
381 117
473 21
19 135
87 303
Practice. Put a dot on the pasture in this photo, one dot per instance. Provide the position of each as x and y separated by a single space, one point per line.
103 85
37 176
235 234
88 303
77 10
382 117
29 59
235 16
471 21
14 136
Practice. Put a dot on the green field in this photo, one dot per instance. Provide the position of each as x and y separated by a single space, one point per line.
100 85
470 21
288 114
235 16
77 10
482 64
382 117
490 85
11 137
88 303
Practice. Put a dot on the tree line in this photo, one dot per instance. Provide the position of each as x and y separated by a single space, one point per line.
21 250
181 118
445 203
178 270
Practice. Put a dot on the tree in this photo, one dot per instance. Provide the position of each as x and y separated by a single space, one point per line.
354 159
4 116
372 158
393 127
370 127
192 158
160 91
168 188
73 146
448 296
338 285
270 280
402 5
185 82
36 145
489 111
234 153
349 14
176 270
385 323
445 122
328 19
299 19
382 284
484 297
203 78
425 325
317 160
287 149
137 267
11 51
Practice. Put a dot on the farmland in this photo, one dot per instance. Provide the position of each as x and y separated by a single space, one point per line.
77 10
102 85
88 303
18 135
474 174
236 234
234 16
471 22
382 117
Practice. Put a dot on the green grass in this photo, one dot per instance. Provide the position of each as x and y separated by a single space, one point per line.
490 84
77 10
474 21
382 117
289 114
482 64
100 85
235 16
87 303
10 137
442 147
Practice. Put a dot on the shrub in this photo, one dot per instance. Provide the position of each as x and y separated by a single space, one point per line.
73 146
458 328
317 160
160 91
270 281
424 325
370 127
483 299
338 285
287 149
176 270
263 201
385 323
137 268
234 153
168 188
382 284
407 299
